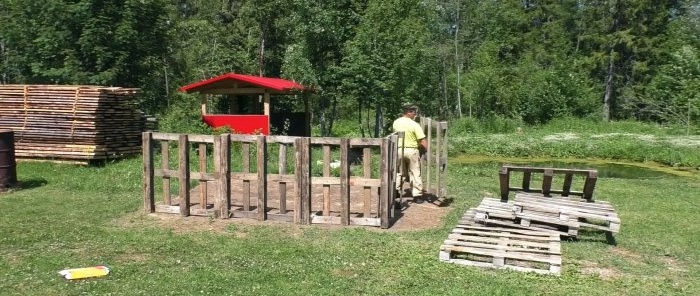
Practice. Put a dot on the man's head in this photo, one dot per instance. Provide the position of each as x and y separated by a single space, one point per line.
410 110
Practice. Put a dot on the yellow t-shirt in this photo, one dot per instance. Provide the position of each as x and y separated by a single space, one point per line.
412 131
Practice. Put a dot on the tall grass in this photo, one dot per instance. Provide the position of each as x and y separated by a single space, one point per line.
577 138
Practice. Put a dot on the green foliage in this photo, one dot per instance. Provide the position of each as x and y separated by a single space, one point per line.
183 116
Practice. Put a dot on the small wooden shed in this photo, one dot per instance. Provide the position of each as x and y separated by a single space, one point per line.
240 84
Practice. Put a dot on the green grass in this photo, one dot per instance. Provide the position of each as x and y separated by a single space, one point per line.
578 138
70 216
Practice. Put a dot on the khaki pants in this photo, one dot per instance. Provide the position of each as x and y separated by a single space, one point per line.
409 164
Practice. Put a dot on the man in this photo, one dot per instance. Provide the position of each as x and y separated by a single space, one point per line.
409 153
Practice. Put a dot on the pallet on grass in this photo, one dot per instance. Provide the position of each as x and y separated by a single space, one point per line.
495 212
503 248
596 215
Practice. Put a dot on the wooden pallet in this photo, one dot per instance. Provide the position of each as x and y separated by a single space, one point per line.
494 212
598 215
503 248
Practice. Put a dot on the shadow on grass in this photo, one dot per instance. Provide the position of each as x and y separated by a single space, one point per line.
585 235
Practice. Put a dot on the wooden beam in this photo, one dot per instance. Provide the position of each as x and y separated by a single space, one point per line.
149 204
266 106
203 100
184 174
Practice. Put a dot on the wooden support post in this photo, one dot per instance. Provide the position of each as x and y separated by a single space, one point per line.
203 169
245 154
344 182
367 191
504 180
165 165
222 155
203 101
438 159
302 204
566 189
326 173
443 168
547 182
148 175
384 194
526 180
184 174
262 177
589 185
282 162
428 185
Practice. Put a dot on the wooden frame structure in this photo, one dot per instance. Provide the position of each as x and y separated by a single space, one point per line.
314 199
591 176
434 164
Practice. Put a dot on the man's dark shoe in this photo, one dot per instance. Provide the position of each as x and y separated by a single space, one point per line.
418 199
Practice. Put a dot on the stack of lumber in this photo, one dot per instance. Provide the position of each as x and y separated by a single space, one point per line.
72 122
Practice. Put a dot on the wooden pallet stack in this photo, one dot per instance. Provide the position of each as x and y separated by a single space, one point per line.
78 123
472 243
525 230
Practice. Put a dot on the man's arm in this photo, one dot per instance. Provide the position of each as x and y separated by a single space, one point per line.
423 144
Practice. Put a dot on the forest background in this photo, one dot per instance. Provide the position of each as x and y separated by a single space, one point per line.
528 61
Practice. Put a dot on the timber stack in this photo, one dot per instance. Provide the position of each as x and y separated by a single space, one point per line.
73 123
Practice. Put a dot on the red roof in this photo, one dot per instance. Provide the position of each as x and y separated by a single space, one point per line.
232 81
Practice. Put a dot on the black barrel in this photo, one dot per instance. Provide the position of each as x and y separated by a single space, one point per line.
8 166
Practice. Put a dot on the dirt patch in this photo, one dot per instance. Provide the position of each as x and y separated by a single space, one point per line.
592 268
672 264
411 216
628 255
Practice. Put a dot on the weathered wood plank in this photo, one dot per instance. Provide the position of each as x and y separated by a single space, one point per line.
184 174
148 178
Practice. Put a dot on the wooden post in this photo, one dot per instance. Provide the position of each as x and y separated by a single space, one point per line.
148 194
367 191
504 180
384 195
567 184
589 185
428 157
184 175
302 204
222 164
245 154
326 173
266 107
438 159
203 101
344 182
282 171
203 169
547 182
262 177
165 165
526 180
443 168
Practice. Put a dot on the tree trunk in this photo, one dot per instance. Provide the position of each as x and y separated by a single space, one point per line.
607 100
459 67
377 120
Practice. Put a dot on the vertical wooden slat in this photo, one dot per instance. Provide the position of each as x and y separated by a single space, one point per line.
367 191
262 177
438 159
504 180
526 180
184 174
547 182
148 175
326 173
566 189
246 169
302 204
443 169
344 182
203 169
427 186
384 192
165 165
282 171
222 152
589 185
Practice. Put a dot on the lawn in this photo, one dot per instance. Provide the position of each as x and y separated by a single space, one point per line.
68 216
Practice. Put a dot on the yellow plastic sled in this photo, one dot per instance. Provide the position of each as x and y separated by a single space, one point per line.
86 272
